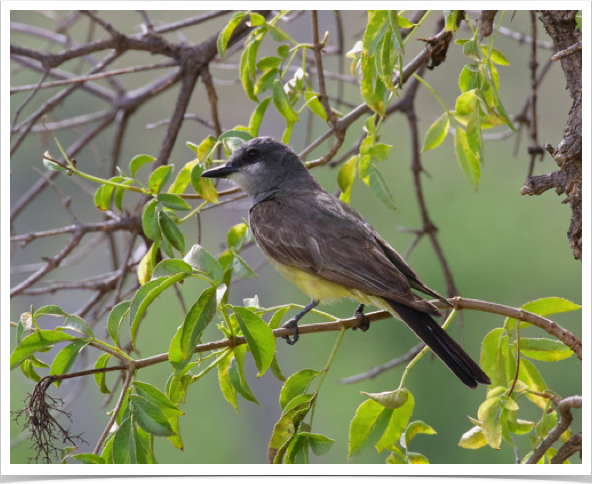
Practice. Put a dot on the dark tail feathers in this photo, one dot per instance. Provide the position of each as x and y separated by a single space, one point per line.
444 347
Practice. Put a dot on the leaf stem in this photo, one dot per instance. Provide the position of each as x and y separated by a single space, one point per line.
326 370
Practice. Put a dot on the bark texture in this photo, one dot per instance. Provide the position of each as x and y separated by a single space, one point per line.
561 27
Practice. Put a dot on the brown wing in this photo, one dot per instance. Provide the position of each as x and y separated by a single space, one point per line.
314 233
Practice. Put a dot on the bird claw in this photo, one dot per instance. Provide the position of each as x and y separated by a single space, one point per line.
293 324
364 321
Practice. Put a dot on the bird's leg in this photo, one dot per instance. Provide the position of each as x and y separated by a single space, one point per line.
293 323
364 321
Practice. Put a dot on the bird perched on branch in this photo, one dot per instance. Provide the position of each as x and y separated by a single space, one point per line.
329 251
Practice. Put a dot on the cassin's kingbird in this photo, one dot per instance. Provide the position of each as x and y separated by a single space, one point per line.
329 251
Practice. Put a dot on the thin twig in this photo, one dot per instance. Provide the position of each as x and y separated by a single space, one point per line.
126 385
374 372
92 77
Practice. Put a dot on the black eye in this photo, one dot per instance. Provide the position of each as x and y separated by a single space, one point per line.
252 153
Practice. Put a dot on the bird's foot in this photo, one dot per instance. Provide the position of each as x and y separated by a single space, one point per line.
364 321
292 324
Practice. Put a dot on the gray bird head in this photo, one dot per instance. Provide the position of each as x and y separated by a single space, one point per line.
262 166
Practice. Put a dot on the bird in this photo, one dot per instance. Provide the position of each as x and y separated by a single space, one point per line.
327 249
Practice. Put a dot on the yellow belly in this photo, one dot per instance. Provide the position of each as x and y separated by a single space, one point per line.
323 290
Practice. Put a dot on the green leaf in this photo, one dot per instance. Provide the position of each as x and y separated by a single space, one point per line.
267 63
364 169
414 428
468 162
159 177
371 87
380 188
266 79
183 177
149 220
313 103
282 103
518 426
235 235
379 152
544 307
29 371
66 358
77 324
320 444
490 360
206 148
88 459
392 400
196 320
226 33
204 186
138 161
260 339
173 201
38 341
236 133
224 380
286 428
297 384
491 427
144 297
277 317
470 49
367 427
473 439
283 51
124 443
100 378
417 458
256 19
544 349
468 80
171 231
496 56
245 74
257 117
276 370
397 457
450 18
241 268
474 138
150 417
297 450
396 28
156 397
378 22
50 310
171 267
119 192
116 317
346 177
397 424
437 133
466 103
104 193
202 261
237 375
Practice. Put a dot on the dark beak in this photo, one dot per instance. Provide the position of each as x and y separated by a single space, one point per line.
220 172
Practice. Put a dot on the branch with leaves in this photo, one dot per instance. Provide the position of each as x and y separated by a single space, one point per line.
293 82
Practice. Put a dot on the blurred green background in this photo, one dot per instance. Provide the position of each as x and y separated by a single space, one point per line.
501 247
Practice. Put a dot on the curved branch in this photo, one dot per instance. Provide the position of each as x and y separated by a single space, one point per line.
564 408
